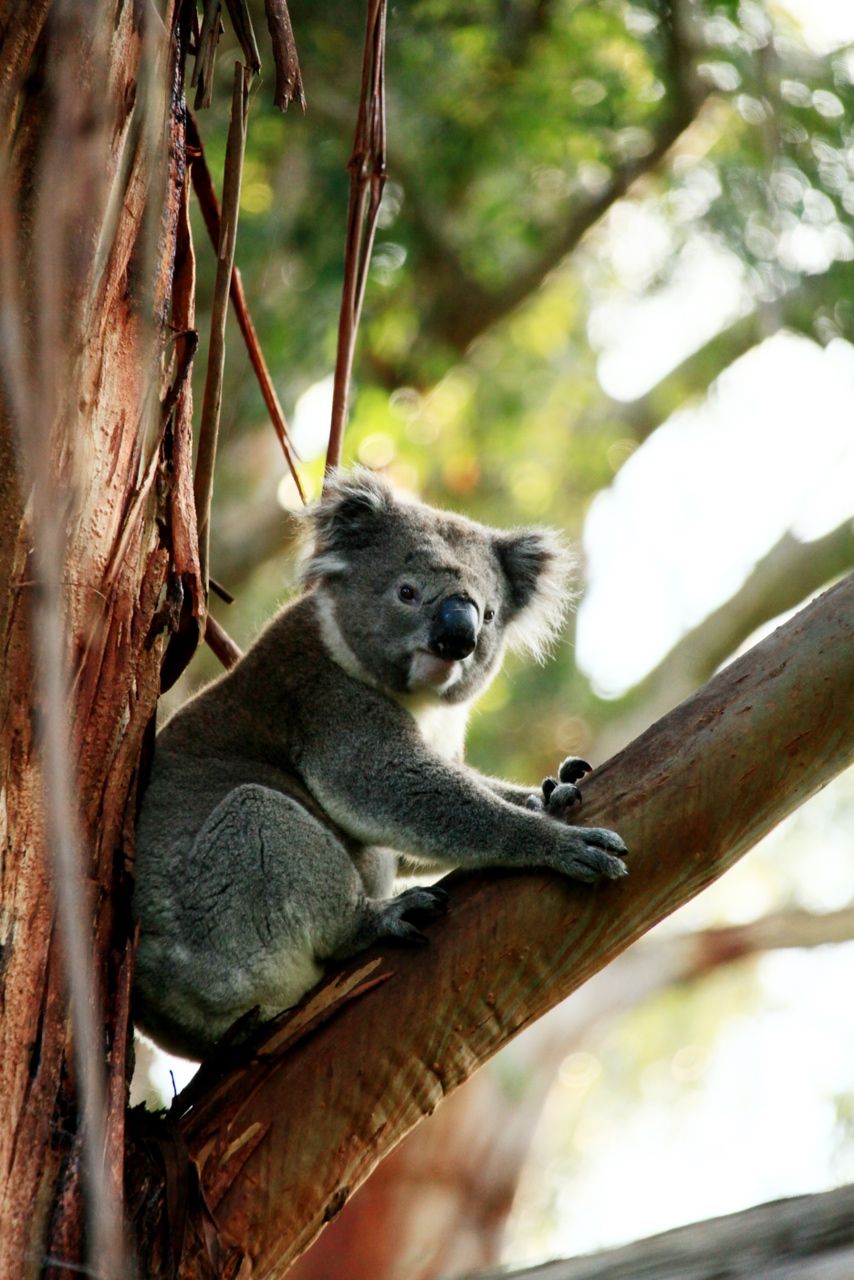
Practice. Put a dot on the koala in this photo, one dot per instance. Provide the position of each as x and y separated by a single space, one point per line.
287 796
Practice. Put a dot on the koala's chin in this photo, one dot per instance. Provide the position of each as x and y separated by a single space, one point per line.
428 671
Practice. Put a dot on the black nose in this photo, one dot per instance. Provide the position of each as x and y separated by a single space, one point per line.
454 632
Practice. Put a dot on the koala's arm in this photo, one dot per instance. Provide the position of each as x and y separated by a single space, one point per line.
554 796
509 791
389 788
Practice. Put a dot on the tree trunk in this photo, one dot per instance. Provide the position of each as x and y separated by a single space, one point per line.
92 212
279 1141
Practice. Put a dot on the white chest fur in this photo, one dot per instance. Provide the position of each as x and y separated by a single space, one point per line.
441 726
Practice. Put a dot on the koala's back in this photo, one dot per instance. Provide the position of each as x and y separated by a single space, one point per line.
244 728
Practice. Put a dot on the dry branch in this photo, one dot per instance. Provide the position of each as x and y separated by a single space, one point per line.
212 402
221 643
288 75
241 20
808 1237
209 205
206 45
367 168
281 1141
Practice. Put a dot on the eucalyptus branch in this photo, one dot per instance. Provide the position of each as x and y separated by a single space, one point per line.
209 205
461 325
212 401
221 643
241 20
367 167
806 1236
288 75
206 45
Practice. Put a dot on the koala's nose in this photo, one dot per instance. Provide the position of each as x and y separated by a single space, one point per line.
454 631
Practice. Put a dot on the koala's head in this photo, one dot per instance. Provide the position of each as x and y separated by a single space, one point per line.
416 600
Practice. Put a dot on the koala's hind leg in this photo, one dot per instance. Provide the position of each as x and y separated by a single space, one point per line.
269 895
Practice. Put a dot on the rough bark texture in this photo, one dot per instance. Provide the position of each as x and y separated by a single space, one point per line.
280 1141
805 1238
119 466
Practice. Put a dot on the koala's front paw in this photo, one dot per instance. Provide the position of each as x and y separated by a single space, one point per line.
424 904
593 853
573 768
561 794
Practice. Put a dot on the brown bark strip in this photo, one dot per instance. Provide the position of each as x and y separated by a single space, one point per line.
288 75
209 205
206 46
241 20
690 796
367 167
57 194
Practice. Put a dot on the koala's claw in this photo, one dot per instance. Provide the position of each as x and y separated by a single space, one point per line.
561 798
556 800
574 768
425 904
597 853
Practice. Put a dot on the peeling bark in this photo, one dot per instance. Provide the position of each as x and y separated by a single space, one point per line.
119 472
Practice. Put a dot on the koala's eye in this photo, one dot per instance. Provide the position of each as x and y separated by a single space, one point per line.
408 594
488 615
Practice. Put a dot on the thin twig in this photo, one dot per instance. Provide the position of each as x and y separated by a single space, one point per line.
245 32
219 590
288 75
209 205
367 179
203 68
212 401
221 643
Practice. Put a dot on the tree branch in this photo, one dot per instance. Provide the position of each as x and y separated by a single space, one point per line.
797 310
781 580
461 325
203 481
476 1145
280 1141
367 168
209 205
462 307
808 1236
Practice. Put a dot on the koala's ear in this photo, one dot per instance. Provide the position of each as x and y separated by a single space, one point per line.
537 565
343 520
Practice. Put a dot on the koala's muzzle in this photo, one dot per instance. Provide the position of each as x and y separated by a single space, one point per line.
454 631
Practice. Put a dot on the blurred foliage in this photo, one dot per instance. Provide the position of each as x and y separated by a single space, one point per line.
513 126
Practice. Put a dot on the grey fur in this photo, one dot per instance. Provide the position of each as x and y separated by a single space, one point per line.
264 846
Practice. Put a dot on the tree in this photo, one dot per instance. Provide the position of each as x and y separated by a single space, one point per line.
98 527
105 588
279 1141
807 1232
